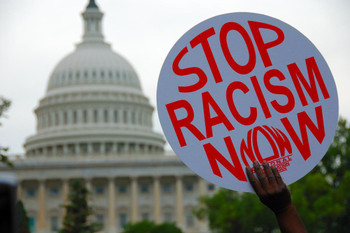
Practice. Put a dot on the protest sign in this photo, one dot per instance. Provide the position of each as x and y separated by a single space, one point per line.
242 87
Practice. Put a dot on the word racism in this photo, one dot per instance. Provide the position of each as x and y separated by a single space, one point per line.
308 88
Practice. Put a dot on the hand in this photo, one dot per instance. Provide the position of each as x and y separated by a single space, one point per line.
269 187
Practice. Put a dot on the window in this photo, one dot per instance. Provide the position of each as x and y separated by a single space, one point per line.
122 189
30 192
145 216
106 115
211 187
54 191
50 120
125 116
108 147
96 147
95 115
115 116
121 147
59 149
65 118
84 148
31 224
189 187
144 188
167 217
71 148
189 219
54 224
133 117
75 117
85 116
100 219
49 150
56 118
122 220
132 147
99 190
166 188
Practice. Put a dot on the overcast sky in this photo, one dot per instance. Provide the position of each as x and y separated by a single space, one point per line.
37 34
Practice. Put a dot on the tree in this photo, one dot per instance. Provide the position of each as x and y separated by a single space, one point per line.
22 218
77 211
150 227
324 194
4 106
230 211
322 197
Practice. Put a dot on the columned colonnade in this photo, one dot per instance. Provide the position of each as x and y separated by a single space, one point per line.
110 225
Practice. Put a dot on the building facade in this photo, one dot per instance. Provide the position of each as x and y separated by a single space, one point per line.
94 124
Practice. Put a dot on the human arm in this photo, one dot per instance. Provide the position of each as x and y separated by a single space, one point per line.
273 193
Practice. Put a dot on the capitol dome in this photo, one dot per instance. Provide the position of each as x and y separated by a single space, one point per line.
94 104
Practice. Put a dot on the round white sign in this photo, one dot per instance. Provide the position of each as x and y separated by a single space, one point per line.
242 87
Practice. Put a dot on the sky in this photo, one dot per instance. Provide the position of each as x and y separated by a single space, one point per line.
37 34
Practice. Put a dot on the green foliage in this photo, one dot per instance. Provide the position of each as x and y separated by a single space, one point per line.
22 218
322 197
150 227
4 106
230 211
77 211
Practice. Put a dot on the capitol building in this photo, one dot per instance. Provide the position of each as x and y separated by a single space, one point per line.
95 124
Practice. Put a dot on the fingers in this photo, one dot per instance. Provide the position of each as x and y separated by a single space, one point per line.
277 176
270 175
253 181
261 176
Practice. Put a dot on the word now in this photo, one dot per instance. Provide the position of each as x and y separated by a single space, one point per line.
276 140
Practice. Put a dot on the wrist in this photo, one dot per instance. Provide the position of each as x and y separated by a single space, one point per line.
289 208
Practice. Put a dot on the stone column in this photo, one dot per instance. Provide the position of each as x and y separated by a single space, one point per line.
54 149
65 149
179 202
42 214
45 151
65 192
121 116
77 149
201 186
111 116
134 204
80 113
111 206
202 192
103 148
114 148
89 189
156 195
89 147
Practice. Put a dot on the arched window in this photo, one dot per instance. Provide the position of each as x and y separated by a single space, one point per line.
116 116
85 116
75 117
105 115
125 120
56 119
95 115
65 118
